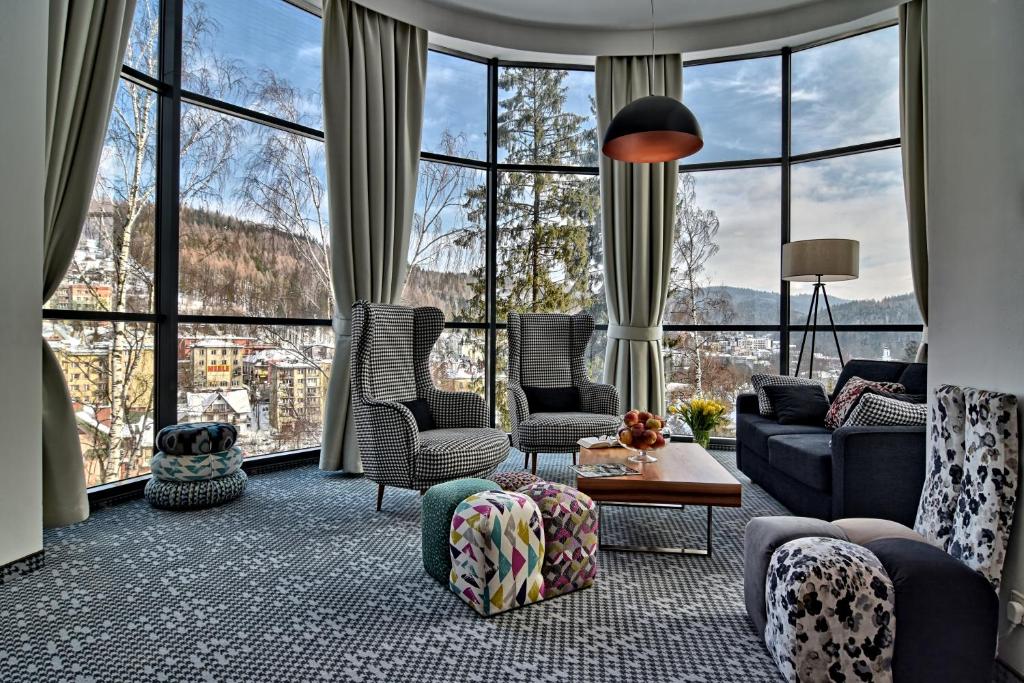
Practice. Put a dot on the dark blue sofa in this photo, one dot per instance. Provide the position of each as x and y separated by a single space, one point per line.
849 472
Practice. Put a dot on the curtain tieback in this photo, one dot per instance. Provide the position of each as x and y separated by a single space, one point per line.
635 333
342 329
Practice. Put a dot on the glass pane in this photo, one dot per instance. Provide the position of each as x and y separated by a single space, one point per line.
259 54
847 92
254 233
501 418
739 107
143 48
549 245
455 108
725 264
717 365
858 197
269 380
458 361
112 268
900 346
446 244
109 372
546 116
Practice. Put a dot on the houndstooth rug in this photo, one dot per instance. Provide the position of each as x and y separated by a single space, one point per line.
300 580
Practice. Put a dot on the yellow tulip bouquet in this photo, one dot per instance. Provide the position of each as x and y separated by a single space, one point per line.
703 415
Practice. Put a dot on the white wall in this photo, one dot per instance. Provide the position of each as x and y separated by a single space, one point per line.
22 106
976 216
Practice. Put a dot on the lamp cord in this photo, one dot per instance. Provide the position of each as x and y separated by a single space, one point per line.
650 70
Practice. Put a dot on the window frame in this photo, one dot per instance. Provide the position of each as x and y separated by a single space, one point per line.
165 317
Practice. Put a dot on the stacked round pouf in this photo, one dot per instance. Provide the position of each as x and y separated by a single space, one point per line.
197 465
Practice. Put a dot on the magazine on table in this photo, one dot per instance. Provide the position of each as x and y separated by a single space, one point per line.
603 470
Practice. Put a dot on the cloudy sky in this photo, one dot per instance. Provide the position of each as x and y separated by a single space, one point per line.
843 93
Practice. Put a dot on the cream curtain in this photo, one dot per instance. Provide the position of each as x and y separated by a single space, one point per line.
374 72
86 43
637 219
913 64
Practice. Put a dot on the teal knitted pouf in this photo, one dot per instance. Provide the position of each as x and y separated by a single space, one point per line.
194 495
439 503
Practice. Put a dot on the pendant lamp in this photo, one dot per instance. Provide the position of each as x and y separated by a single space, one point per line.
654 128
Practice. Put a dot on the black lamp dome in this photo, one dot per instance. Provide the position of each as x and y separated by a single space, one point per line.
652 129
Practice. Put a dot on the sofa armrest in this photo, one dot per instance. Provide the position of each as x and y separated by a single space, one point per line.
944 607
878 472
746 404
761 538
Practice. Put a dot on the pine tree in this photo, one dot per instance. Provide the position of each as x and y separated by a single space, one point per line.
547 222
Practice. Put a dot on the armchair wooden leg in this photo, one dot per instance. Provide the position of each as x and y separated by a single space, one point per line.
380 495
526 460
534 468
574 455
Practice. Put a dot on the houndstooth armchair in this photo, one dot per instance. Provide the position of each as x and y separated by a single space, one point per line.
390 365
546 350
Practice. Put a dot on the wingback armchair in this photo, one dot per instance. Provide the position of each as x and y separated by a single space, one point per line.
411 434
546 367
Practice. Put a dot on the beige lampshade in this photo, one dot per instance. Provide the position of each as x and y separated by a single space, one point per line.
832 260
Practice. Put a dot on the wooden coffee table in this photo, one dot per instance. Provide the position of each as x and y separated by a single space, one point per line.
685 474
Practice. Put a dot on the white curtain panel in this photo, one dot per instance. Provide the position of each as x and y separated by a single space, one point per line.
85 45
637 219
913 102
374 73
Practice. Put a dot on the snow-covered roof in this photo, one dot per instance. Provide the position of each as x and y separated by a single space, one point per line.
236 399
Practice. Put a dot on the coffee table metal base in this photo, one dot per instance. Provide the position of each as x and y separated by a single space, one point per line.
703 552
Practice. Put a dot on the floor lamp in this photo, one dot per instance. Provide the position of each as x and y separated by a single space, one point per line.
819 261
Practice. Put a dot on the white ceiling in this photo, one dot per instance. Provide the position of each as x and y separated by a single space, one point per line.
619 14
576 30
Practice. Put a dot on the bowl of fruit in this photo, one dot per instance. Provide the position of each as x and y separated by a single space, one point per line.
642 432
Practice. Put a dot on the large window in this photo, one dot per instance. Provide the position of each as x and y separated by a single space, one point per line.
200 289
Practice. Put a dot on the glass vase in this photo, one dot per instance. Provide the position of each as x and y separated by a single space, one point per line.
702 437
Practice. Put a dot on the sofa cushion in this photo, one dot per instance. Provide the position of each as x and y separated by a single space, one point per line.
874 370
754 431
882 411
420 410
804 457
915 378
800 404
761 380
844 402
861 530
552 399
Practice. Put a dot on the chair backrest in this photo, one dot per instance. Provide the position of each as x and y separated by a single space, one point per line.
391 350
970 488
547 349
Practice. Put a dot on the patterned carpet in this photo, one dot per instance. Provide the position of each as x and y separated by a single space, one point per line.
300 580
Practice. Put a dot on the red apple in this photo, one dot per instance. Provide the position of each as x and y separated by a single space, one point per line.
644 416
659 442
637 429
626 437
631 418
649 437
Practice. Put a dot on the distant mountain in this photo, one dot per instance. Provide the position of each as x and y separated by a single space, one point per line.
759 307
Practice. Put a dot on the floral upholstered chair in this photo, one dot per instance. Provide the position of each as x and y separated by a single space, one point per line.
552 403
411 434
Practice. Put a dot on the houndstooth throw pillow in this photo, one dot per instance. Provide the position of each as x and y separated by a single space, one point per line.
761 381
847 399
880 411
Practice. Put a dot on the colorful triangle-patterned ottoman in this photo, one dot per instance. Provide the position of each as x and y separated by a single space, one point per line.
570 536
497 547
